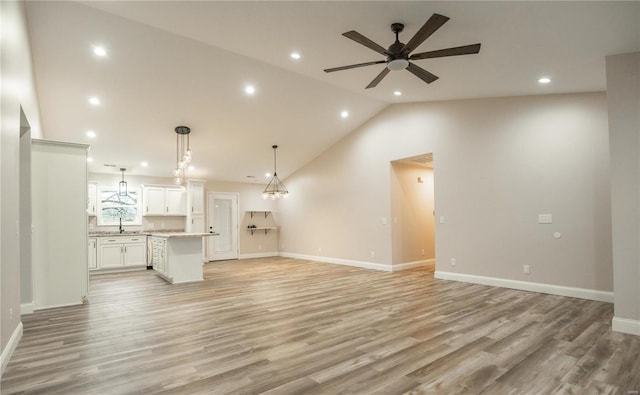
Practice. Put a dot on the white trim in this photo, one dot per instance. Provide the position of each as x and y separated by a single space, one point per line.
27 308
10 348
337 261
625 325
411 265
582 293
55 306
258 255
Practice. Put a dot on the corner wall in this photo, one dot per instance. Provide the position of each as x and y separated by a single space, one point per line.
18 91
500 162
623 95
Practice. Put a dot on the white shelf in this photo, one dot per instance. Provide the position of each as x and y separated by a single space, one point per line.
266 229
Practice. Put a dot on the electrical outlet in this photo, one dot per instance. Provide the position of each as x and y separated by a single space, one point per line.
11 313
422 252
373 254
319 249
526 269
282 246
442 219
259 246
545 218
453 261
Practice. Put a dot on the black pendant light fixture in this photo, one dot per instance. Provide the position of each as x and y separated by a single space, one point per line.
183 153
275 188
122 186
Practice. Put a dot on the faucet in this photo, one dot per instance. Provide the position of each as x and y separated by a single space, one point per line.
121 228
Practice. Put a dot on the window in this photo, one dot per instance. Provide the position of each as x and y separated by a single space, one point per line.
112 207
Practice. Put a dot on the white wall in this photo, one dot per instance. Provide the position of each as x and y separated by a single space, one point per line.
18 90
500 162
623 95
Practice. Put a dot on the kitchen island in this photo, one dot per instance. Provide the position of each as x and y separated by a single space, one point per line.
177 257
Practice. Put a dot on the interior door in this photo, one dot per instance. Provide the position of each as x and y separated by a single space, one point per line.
222 218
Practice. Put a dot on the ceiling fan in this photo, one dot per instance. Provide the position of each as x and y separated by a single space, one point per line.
399 54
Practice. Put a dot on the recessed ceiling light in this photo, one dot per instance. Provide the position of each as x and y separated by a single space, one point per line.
91 134
544 80
267 175
295 55
397 93
94 100
100 51
250 89
89 159
191 168
344 114
144 164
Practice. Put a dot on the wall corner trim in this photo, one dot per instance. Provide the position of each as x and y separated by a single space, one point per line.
10 348
626 325
581 293
27 308
338 261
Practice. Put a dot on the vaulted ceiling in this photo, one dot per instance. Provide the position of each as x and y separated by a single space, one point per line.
171 63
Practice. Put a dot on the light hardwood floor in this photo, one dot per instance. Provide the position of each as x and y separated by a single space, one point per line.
288 326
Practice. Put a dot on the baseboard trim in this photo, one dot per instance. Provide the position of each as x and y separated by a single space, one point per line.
10 348
27 308
411 265
338 261
626 325
582 293
258 255
55 306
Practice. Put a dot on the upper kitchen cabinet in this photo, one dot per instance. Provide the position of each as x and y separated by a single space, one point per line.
195 221
195 196
158 200
92 198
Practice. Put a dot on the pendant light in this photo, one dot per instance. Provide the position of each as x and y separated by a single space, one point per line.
275 188
122 186
183 153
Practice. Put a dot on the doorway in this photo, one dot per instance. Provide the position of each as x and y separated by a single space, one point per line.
413 211
222 218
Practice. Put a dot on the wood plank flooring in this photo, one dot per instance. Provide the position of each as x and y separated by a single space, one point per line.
288 326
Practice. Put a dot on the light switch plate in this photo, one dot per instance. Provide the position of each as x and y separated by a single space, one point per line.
545 219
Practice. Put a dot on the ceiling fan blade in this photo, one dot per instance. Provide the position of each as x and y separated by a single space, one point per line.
429 27
378 78
421 73
353 66
463 50
360 39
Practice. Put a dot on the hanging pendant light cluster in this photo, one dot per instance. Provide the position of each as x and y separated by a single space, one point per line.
122 186
183 153
275 189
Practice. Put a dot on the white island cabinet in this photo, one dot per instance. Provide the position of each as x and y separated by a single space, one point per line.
177 257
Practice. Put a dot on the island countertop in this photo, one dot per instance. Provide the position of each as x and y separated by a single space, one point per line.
181 234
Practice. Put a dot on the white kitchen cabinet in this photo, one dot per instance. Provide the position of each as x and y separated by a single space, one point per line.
153 200
120 252
175 201
92 261
195 196
159 249
195 222
92 198
163 201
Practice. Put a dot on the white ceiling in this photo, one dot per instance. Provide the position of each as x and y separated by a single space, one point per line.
186 63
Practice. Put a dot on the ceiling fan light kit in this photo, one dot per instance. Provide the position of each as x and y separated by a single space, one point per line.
398 55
